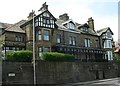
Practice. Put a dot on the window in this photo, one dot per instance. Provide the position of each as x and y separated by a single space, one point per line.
85 29
107 44
17 48
46 35
52 23
58 38
97 43
16 38
70 26
107 35
39 35
47 21
72 40
7 48
36 22
13 48
87 42
40 52
110 55
19 38
23 39
44 21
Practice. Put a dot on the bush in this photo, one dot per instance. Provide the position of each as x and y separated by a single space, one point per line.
20 56
54 56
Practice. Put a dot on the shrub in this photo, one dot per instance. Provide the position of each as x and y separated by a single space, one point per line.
20 56
54 56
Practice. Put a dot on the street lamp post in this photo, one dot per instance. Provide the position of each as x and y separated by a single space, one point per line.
34 49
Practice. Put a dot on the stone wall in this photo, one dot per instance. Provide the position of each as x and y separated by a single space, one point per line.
57 72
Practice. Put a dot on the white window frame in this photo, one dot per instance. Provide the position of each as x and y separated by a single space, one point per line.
107 44
70 26
87 42
40 51
110 55
16 38
58 38
72 40
85 29
39 35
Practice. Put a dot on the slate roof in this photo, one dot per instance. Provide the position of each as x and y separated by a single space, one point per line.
60 23
101 31
4 25
16 27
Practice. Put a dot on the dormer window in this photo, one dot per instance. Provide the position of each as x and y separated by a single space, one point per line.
70 26
107 35
85 29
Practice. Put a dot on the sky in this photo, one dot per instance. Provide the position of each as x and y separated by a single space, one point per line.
104 12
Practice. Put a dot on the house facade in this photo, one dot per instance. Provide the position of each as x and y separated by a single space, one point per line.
13 38
60 35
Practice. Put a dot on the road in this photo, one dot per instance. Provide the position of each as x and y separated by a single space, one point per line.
106 82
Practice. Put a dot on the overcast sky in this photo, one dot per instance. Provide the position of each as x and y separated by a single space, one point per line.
104 12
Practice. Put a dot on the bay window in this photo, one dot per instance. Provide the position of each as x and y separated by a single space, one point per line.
46 35
107 44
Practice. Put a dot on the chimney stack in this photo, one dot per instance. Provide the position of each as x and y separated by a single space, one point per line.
31 15
91 23
64 17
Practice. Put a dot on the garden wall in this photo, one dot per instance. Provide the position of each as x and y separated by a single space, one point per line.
57 72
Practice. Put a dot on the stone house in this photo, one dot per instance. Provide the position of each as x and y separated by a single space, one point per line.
60 35
13 38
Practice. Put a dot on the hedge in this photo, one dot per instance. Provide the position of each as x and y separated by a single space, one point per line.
55 56
20 56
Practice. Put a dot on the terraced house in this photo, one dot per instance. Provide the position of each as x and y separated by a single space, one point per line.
60 35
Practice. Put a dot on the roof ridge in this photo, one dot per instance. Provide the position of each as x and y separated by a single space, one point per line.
13 24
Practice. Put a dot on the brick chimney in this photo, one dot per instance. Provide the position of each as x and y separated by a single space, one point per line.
44 7
30 15
91 23
64 17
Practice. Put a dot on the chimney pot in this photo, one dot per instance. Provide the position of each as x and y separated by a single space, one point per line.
64 17
30 15
91 23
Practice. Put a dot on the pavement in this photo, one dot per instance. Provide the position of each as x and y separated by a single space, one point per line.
104 82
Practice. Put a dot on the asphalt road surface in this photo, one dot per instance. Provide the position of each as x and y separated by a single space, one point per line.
112 82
